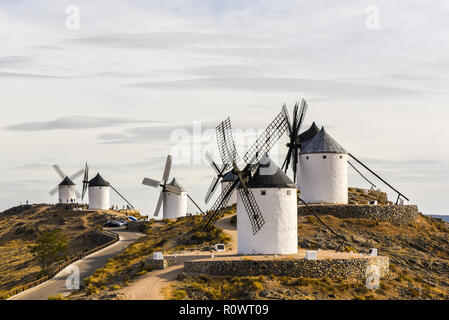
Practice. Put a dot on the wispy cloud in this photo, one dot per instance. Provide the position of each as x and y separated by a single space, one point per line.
73 123
335 88
26 75
152 134
163 40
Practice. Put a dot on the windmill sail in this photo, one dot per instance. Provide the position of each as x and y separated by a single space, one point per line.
226 144
70 178
252 157
159 204
220 171
85 181
166 187
294 142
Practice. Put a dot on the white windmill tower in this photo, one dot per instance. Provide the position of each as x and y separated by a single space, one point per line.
99 191
173 196
324 171
275 194
67 192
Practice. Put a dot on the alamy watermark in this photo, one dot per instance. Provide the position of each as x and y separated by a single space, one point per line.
372 274
372 21
189 145
72 282
72 21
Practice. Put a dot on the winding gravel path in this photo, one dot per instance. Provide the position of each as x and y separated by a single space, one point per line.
151 285
87 266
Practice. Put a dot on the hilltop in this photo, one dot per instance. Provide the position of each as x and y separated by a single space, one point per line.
20 226
440 216
418 252
419 265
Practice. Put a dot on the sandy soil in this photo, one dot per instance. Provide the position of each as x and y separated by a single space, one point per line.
151 285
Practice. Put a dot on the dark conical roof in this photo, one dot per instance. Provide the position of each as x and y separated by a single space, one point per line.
305 137
229 177
323 143
98 181
264 179
175 183
67 182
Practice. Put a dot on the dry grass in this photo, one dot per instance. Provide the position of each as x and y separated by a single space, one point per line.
19 228
183 234
217 288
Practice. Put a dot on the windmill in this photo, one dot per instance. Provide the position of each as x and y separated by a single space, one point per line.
85 181
173 196
220 173
293 133
98 190
66 188
252 159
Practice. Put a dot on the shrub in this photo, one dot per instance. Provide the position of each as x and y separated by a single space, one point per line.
91 290
50 247
179 295
57 297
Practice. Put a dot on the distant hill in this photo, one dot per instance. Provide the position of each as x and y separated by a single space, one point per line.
440 216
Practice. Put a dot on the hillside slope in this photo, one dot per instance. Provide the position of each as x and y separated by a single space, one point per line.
419 265
19 227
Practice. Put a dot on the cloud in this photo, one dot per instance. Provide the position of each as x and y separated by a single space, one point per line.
32 166
11 61
162 40
335 88
151 134
159 133
407 170
26 75
228 70
72 123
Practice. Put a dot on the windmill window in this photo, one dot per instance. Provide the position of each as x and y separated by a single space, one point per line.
289 192
341 157
324 157
263 192
307 157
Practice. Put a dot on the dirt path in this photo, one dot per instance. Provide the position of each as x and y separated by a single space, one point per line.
151 285
230 230
86 266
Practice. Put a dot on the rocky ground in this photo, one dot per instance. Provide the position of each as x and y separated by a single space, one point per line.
419 265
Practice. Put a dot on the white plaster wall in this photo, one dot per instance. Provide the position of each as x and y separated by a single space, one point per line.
98 198
175 205
66 193
279 234
233 198
324 180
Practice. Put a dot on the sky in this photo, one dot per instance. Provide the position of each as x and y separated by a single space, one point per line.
136 80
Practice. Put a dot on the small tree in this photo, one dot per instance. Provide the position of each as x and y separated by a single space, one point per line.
50 247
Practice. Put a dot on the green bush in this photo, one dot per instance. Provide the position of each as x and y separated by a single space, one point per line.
179 295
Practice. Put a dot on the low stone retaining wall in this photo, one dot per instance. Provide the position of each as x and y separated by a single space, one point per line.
332 268
398 215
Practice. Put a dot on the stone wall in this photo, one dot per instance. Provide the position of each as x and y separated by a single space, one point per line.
332 268
398 215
